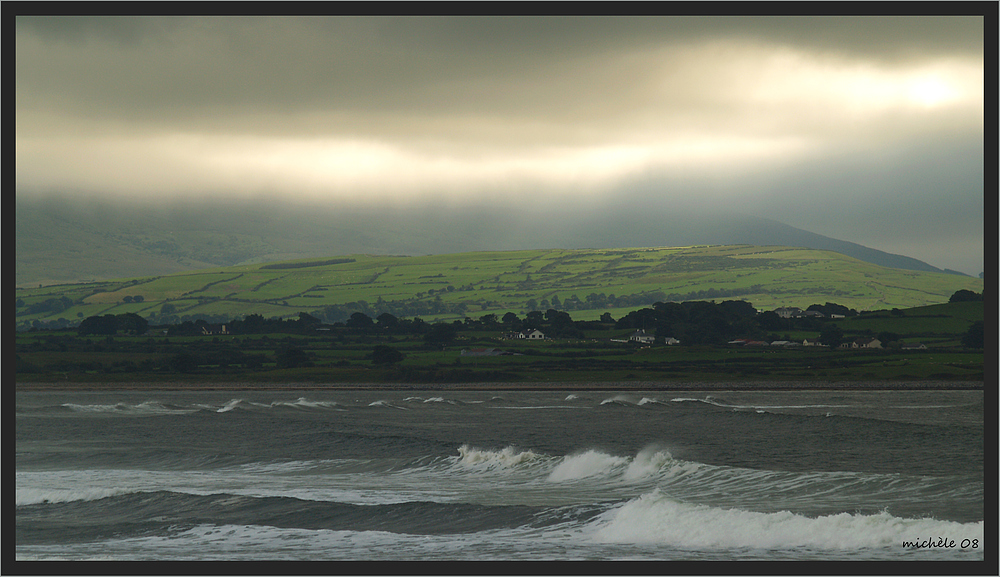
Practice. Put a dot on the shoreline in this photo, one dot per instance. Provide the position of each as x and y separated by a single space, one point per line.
511 386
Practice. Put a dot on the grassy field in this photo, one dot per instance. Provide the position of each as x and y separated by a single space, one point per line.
586 283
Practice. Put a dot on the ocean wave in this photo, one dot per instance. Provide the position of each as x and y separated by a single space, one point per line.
623 400
151 407
387 404
506 458
586 464
304 403
656 518
33 496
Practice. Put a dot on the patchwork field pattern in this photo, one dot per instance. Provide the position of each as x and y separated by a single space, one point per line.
586 283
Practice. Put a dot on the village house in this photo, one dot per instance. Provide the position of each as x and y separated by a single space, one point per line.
214 330
531 334
672 341
796 313
788 312
862 343
640 336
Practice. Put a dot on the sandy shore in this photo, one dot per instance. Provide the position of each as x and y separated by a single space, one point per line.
520 386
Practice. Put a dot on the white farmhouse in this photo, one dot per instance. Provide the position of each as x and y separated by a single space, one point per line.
640 336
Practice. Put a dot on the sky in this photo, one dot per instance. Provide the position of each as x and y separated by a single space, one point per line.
868 129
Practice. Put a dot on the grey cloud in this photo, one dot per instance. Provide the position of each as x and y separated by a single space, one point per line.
523 81
164 64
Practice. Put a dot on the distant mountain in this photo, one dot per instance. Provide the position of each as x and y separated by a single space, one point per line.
752 230
63 241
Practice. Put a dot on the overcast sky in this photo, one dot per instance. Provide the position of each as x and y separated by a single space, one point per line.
866 129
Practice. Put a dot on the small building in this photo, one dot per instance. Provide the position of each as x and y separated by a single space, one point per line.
862 343
533 334
640 336
672 341
788 312
812 343
914 346
214 330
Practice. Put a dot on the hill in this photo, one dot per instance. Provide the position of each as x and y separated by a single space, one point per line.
66 241
585 282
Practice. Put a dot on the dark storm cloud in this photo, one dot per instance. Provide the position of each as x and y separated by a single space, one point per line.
175 65
764 113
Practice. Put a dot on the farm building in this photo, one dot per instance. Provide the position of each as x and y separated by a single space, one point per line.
863 343
640 336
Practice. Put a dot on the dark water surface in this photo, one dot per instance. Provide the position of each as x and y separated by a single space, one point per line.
379 475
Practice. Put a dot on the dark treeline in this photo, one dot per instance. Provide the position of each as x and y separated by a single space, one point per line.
254 343
691 322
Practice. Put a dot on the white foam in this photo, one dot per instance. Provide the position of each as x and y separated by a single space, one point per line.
229 406
34 496
586 464
144 408
648 462
304 403
656 518
385 404
506 458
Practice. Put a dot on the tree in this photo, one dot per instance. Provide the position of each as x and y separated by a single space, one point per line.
963 295
973 338
102 325
387 321
558 318
360 321
441 334
771 321
132 323
832 336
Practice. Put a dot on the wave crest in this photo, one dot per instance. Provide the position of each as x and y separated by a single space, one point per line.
506 458
657 518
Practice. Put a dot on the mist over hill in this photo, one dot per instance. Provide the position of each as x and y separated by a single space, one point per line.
60 240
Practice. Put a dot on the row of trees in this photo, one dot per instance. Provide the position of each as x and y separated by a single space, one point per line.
692 322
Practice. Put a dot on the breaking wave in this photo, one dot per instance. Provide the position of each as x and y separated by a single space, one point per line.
657 518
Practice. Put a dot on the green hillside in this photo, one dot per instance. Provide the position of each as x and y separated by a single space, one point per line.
586 283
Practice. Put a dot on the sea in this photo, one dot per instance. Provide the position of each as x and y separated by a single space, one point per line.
503 475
